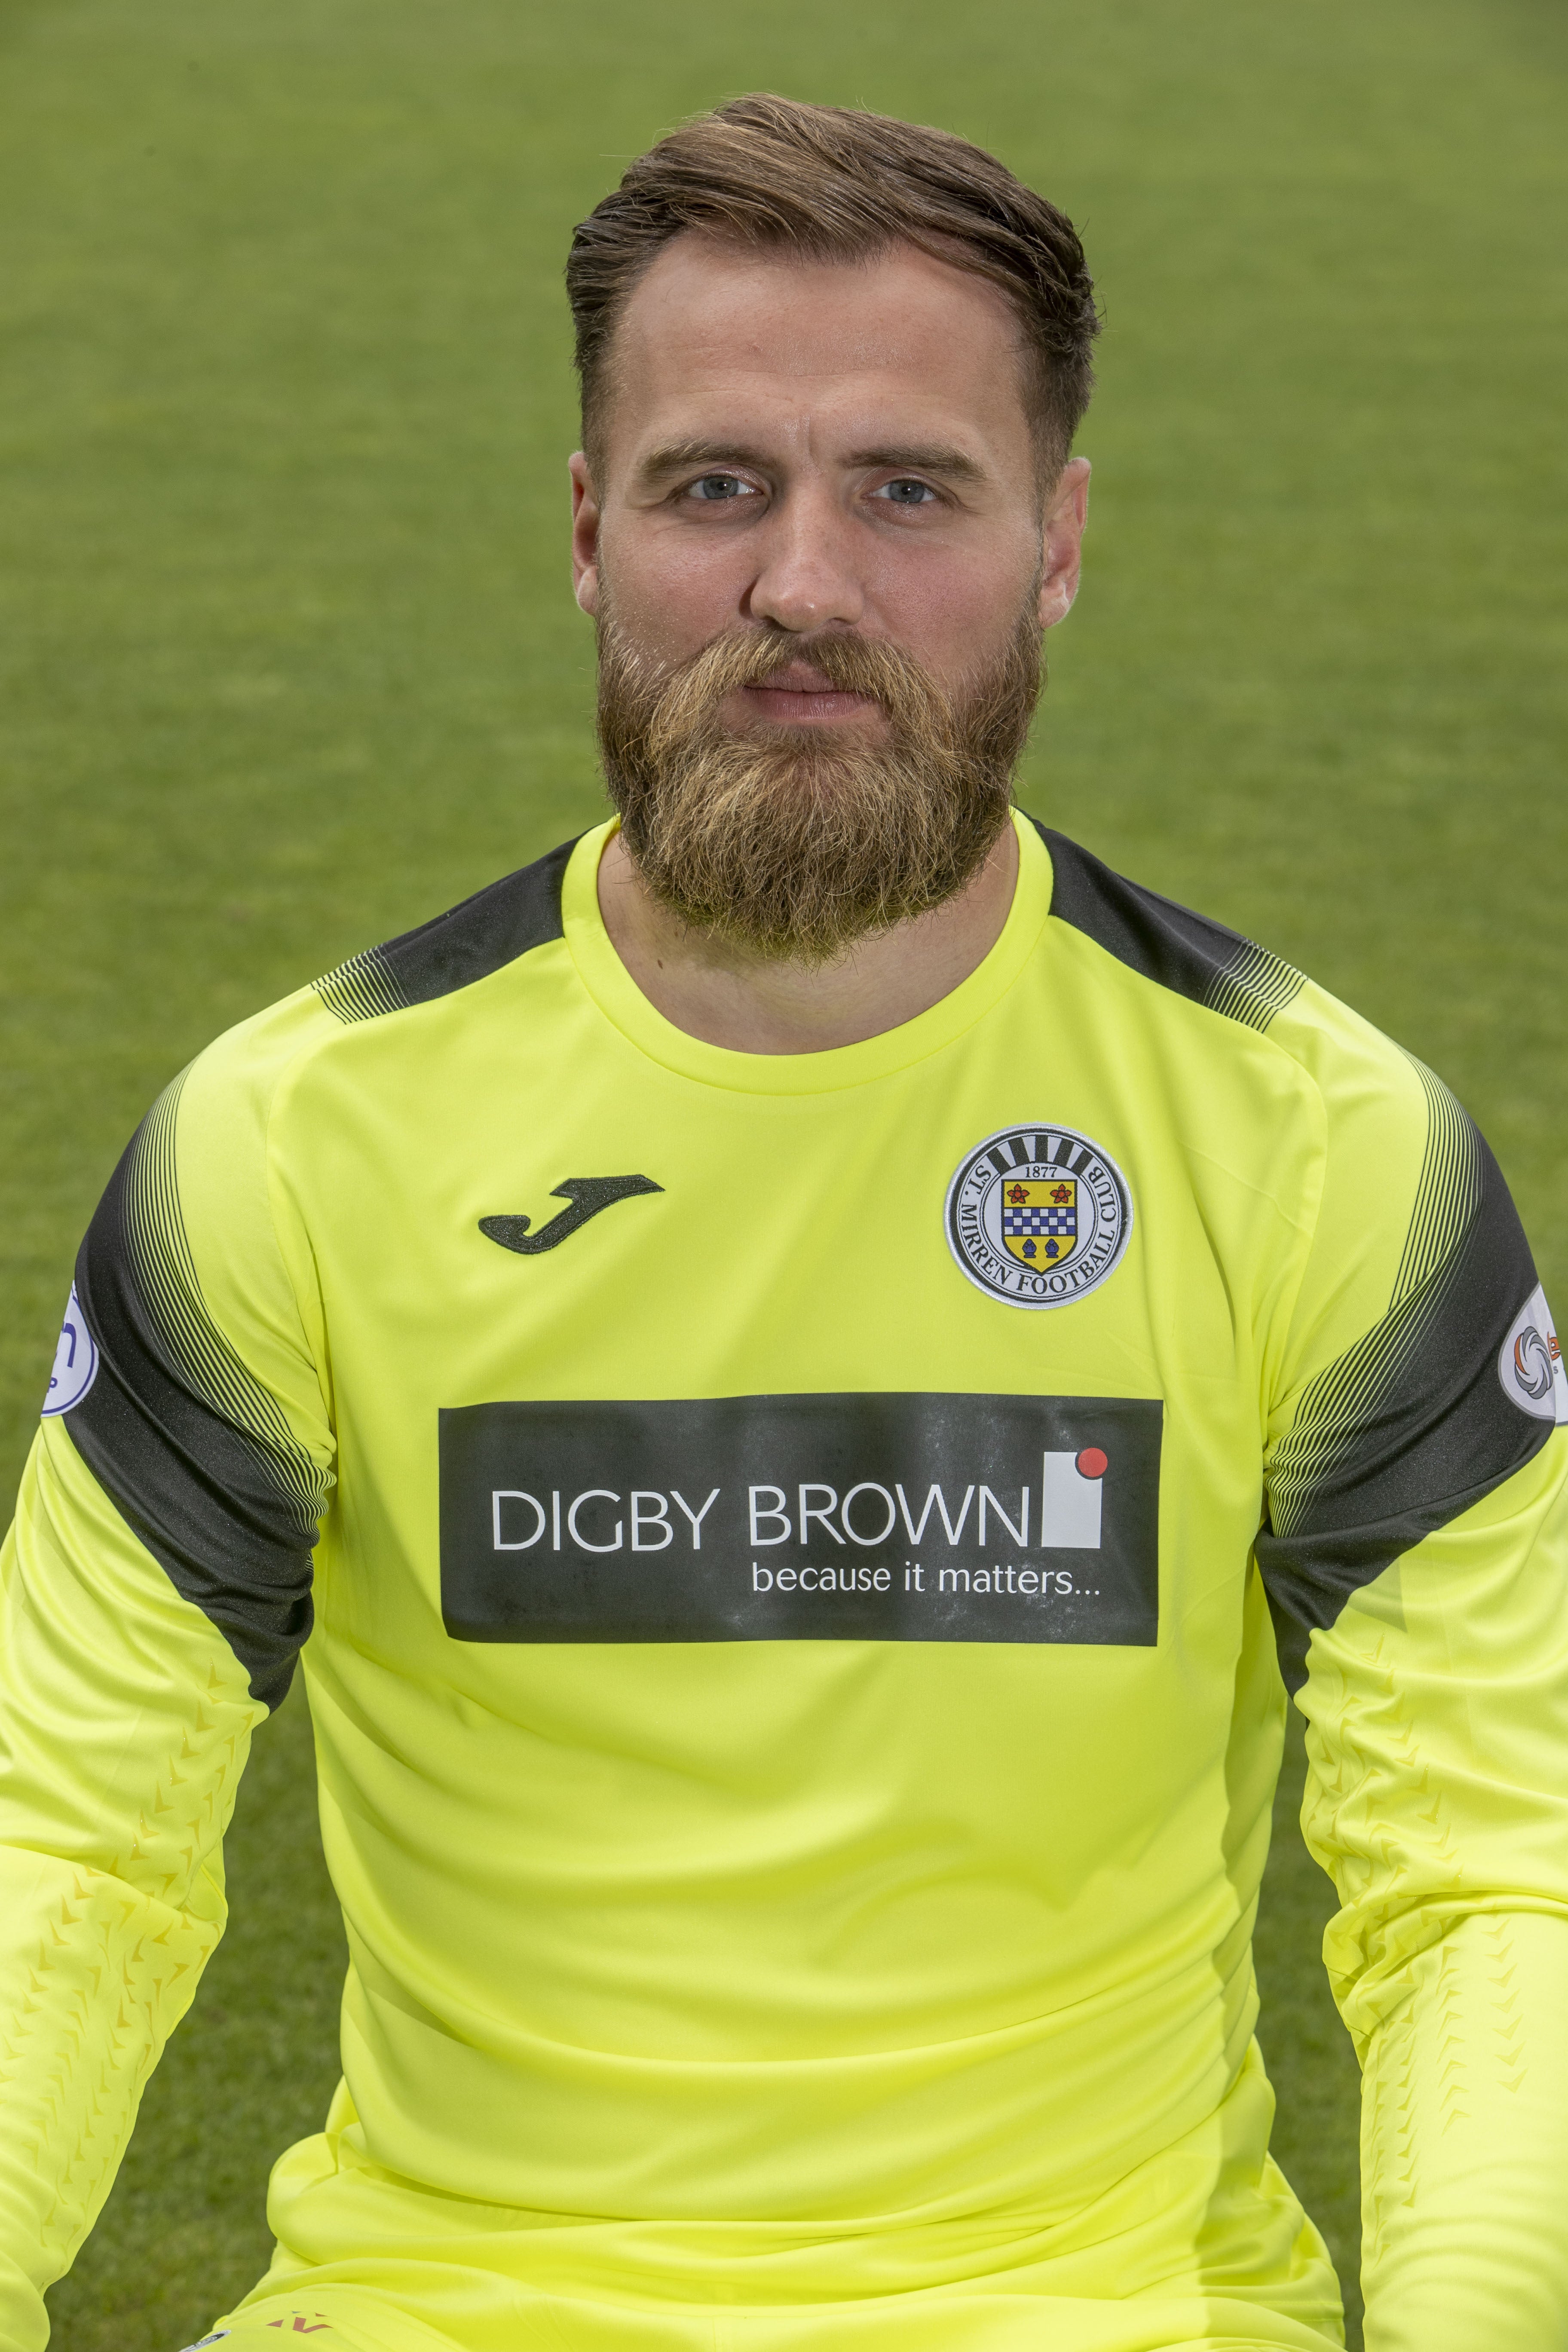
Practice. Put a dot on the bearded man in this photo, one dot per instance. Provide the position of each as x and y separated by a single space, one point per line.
834 1358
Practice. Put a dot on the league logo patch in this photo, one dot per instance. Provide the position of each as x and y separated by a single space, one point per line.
1038 1216
1530 1362
75 1361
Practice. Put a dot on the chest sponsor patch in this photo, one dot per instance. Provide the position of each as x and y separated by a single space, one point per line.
887 1518
1037 1215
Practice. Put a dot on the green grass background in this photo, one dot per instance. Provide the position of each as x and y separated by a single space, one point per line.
288 660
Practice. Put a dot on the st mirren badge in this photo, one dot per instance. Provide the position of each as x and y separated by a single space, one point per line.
1038 1216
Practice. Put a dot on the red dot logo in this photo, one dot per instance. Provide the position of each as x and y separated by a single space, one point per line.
1092 1462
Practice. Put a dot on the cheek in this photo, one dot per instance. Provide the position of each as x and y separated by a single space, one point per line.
946 604
673 590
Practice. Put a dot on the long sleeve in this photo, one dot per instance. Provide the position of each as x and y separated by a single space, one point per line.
154 1590
1438 1801
1415 1552
125 1721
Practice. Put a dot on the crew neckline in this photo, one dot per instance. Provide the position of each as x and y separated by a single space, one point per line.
622 1002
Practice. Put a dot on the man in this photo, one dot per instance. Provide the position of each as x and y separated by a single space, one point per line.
835 1347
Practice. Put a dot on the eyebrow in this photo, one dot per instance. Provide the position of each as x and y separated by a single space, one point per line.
676 456
923 457
916 456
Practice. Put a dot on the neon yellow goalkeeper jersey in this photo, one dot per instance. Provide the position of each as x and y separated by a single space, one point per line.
808 1549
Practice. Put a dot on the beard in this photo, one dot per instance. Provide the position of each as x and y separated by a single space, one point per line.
792 843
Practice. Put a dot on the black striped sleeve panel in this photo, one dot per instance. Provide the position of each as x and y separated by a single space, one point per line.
195 1453
1410 1426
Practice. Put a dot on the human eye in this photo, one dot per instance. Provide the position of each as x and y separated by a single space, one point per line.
719 489
907 490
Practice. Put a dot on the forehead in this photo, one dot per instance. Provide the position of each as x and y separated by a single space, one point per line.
717 338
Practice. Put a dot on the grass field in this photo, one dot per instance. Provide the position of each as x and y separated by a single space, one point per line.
288 660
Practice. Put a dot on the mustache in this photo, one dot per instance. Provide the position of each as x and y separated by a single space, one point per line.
691 693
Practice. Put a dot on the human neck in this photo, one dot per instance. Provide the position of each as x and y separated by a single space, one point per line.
725 997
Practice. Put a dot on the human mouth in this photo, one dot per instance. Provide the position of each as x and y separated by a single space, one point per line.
800 696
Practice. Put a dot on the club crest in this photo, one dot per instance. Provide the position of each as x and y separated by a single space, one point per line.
1039 1216
1039 1220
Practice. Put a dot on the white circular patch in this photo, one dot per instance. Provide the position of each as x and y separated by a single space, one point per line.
1038 1216
1530 1362
75 1360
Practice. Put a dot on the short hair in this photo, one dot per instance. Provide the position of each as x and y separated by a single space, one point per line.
835 183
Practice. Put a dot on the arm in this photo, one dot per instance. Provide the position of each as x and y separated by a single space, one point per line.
1416 1558
1437 1708
154 1592
125 1719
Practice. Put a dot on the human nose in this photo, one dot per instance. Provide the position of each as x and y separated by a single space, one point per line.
808 578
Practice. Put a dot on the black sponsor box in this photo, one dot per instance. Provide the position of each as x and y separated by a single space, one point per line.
896 1517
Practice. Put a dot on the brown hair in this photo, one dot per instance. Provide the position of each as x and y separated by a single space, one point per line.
831 183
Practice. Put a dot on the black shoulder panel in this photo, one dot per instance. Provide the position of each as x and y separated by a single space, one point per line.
1168 944
192 1450
452 950
1412 1425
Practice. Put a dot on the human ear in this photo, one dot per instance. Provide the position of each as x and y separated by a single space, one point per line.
1061 541
584 534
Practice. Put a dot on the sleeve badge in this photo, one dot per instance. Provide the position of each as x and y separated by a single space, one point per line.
1530 1362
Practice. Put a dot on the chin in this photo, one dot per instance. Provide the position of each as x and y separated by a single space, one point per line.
870 728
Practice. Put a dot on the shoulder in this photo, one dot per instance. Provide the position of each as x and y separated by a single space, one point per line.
1189 955
1244 993
453 951
233 1086
1406 1207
